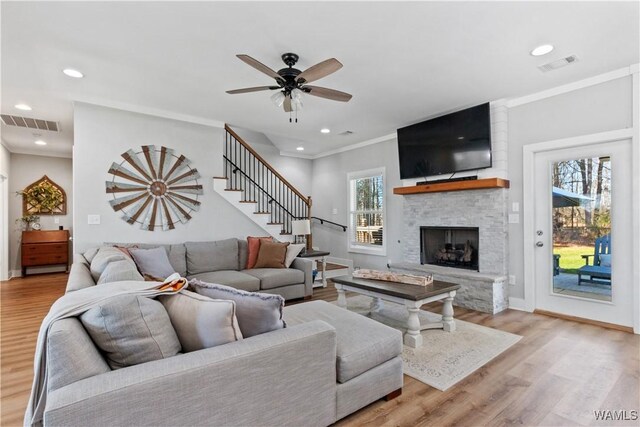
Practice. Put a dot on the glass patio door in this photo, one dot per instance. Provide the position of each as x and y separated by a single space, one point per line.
583 264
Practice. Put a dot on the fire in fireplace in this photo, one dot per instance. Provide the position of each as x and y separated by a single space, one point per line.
456 247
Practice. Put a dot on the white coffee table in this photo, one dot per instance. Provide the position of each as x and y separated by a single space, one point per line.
411 296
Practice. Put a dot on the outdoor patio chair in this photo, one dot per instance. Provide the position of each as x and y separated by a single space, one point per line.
598 272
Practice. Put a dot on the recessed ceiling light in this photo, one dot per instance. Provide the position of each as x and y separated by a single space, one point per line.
73 73
300 148
40 142
461 137
325 130
542 50
23 107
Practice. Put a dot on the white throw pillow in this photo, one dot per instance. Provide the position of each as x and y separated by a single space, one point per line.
292 252
201 322
605 260
106 255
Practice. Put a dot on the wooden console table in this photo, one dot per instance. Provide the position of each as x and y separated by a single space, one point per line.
42 248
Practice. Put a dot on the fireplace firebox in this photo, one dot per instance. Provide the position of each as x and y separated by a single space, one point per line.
456 247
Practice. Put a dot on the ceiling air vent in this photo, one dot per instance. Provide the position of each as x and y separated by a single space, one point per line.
558 63
26 122
346 133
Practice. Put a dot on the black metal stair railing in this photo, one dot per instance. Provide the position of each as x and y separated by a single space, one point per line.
261 184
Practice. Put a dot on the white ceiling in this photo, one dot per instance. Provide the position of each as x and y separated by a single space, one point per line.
403 62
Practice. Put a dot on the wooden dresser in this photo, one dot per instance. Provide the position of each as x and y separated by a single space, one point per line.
41 248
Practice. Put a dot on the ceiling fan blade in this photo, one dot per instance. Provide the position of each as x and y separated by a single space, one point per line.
323 92
252 89
259 66
319 70
287 105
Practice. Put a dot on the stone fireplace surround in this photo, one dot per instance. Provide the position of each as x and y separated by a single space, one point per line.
485 290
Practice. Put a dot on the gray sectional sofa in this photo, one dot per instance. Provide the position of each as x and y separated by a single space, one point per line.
326 364
220 262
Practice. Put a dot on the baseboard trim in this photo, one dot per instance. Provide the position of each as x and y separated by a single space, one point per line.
14 273
517 304
607 325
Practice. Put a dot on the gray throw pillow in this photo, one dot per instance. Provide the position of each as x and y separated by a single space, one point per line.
130 330
103 257
201 322
153 262
257 313
119 271
203 257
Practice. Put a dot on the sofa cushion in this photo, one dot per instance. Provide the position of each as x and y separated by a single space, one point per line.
177 253
104 256
292 252
71 355
212 256
243 252
201 322
119 271
271 255
253 248
257 313
236 279
153 262
275 277
131 330
362 343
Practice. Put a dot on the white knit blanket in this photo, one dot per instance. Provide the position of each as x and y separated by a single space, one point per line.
71 305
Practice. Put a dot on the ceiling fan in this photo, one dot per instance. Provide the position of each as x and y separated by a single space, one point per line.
292 83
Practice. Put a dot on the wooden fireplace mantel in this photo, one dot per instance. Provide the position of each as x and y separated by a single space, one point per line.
475 184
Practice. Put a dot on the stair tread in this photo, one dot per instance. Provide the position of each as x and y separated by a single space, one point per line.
232 189
285 234
248 201
275 223
220 177
262 213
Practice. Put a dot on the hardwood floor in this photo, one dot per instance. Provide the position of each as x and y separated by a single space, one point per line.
557 375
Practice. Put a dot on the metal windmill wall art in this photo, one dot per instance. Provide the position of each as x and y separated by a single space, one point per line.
154 187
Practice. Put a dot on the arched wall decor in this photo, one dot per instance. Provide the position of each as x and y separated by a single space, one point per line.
159 191
44 197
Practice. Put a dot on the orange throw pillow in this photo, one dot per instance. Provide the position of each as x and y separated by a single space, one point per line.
253 247
272 255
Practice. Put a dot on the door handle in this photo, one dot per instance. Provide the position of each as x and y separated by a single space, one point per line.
539 244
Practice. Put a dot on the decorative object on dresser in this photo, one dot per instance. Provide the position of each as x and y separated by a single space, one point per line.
161 191
42 248
43 197
388 276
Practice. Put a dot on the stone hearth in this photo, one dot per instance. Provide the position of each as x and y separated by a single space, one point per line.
486 289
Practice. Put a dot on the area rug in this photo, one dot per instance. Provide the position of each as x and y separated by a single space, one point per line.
445 358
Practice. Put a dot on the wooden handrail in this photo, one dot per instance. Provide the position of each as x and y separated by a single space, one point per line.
306 200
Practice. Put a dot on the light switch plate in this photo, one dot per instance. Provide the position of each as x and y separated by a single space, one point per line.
514 218
56 220
512 279
334 211
515 207
93 219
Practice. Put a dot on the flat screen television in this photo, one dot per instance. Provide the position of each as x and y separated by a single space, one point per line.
456 142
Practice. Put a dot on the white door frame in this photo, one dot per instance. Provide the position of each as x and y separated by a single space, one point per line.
528 154
4 228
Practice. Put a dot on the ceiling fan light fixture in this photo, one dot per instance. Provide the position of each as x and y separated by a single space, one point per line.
278 98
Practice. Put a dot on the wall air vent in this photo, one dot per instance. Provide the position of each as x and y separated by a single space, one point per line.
26 122
558 63
346 133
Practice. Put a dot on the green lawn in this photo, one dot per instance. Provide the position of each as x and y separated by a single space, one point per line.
570 257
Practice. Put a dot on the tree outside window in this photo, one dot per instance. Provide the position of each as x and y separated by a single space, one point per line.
367 199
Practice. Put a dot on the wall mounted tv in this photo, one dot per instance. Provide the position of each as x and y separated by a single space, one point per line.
456 142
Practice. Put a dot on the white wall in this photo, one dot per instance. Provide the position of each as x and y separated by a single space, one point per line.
5 159
330 192
599 108
103 134
24 170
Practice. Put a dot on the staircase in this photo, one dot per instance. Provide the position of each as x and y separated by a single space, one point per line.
257 190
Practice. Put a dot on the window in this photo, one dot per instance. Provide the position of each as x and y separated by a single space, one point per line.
366 212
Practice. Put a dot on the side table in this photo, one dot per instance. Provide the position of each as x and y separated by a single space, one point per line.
316 256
